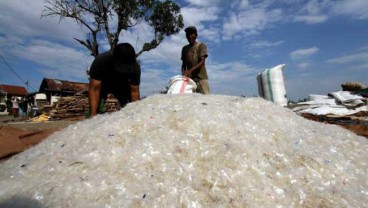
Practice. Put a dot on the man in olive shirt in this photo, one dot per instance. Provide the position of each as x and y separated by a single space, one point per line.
117 73
194 57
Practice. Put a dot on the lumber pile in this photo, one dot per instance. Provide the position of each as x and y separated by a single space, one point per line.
111 104
70 108
76 107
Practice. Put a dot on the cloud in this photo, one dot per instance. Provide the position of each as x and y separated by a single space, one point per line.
266 44
302 65
315 7
232 78
303 53
311 19
30 24
356 8
212 34
358 57
230 71
167 54
56 59
249 22
203 3
313 12
44 45
195 15
153 80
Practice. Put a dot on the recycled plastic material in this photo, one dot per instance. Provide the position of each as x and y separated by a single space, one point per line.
271 85
192 150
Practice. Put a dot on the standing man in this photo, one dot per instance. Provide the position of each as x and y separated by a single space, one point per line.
116 72
15 102
194 57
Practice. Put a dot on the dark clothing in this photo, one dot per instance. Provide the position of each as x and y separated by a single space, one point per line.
117 83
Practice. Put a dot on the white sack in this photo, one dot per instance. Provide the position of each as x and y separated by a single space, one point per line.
341 103
192 150
332 110
260 85
312 97
348 99
181 85
271 85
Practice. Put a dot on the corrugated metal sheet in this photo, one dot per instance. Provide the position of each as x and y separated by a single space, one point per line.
13 90
62 86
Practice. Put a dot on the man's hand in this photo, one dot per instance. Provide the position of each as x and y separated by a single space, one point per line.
194 68
187 73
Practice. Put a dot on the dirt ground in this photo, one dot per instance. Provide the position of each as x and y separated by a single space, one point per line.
17 135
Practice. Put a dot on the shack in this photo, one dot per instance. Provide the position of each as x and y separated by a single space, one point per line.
61 88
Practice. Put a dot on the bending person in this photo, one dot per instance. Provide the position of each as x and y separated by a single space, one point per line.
116 73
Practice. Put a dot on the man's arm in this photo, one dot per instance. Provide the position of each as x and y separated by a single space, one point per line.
196 67
94 96
134 92
183 67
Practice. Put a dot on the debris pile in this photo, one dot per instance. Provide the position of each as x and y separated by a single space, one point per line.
347 108
352 86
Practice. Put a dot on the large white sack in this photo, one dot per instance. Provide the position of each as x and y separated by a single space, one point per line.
181 85
271 85
260 85
192 150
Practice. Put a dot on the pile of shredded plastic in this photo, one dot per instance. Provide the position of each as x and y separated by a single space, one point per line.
192 151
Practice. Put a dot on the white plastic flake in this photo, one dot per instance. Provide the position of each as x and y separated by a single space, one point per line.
191 151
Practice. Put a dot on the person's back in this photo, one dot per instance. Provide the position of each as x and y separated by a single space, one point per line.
111 81
116 73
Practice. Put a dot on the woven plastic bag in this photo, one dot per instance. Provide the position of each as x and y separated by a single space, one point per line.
181 85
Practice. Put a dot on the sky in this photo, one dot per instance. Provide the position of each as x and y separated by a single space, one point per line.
323 44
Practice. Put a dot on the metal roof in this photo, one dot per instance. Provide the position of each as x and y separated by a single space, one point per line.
62 86
12 90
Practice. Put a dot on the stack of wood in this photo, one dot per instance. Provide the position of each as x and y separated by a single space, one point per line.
72 108
111 104
75 108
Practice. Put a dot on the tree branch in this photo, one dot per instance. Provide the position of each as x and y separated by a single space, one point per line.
149 46
162 15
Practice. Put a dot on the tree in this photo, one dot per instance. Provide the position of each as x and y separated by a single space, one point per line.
96 15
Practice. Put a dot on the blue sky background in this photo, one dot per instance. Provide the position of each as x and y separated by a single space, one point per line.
323 43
